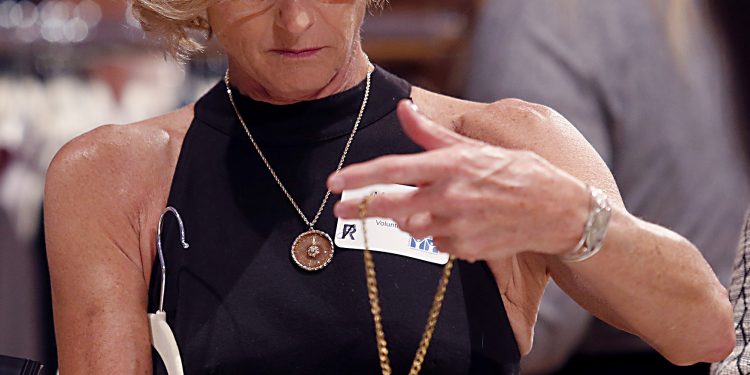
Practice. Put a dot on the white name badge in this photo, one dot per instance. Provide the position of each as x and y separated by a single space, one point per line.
383 235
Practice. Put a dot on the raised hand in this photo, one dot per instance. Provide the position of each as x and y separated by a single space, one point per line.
478 201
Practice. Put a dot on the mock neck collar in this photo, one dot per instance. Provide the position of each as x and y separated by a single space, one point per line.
307 121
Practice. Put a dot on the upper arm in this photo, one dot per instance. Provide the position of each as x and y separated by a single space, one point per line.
92 231
520 125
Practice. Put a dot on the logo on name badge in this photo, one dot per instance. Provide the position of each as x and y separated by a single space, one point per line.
349 230
424 244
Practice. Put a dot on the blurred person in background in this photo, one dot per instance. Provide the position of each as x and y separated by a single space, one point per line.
738 362
734 18
646 82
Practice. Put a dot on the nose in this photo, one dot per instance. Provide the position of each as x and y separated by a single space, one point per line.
295 16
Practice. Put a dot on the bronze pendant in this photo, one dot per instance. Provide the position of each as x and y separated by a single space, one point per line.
312 250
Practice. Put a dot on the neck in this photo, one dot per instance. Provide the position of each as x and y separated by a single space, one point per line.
354 71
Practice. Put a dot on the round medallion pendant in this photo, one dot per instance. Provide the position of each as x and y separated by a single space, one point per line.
312 250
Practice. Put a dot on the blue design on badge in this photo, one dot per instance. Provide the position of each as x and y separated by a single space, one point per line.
425 244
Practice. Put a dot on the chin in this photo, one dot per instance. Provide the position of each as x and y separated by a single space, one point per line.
299 84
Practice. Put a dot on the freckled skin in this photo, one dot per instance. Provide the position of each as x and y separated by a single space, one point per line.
508 176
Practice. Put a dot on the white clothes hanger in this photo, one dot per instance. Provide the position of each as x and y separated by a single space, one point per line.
162 337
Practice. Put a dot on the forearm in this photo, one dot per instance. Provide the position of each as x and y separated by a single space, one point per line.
660 286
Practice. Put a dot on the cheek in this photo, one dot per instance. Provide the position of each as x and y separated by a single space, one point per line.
231 22
345 25
240 32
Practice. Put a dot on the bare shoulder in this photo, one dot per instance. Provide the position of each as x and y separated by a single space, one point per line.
520 125
445 110
509 122
105 142
118 154
112 179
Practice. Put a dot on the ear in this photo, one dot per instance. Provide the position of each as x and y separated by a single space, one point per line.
424 131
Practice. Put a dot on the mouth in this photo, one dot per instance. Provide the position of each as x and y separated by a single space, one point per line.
297 53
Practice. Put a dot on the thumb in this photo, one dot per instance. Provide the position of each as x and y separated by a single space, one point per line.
424 131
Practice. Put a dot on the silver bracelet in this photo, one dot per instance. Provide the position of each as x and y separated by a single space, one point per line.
594 229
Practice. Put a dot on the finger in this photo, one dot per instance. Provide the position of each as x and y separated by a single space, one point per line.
426 132
426 224
473 248
390 205
415 169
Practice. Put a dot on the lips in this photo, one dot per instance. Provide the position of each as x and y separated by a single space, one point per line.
297 53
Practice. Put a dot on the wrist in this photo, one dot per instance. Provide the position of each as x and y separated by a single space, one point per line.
594 229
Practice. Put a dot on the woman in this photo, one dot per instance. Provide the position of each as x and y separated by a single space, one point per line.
247 166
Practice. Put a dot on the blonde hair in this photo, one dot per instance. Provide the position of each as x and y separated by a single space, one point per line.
176 23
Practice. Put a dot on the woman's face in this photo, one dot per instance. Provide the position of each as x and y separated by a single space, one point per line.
290 48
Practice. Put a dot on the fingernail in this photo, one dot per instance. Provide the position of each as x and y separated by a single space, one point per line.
414 107
336 182
416 110
337 209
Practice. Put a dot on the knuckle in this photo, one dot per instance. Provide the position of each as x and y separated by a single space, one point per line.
419 222
459 156
465 152
402 223
379 203
492 152
526 156
525 163
406 226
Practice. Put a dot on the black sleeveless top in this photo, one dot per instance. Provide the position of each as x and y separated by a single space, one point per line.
235 299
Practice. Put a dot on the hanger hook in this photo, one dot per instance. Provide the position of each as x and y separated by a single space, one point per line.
160 252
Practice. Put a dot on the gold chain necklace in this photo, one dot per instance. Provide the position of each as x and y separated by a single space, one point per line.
313 249
372 292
